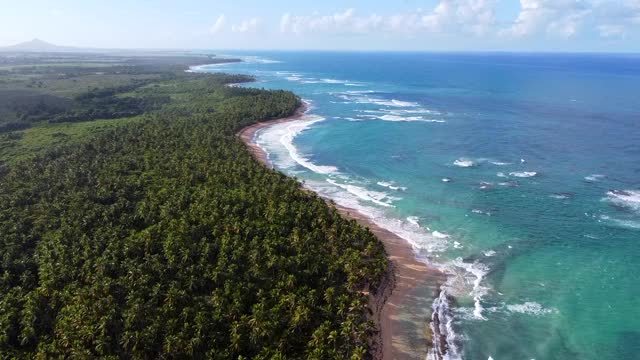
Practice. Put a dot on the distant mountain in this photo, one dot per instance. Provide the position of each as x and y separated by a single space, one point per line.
36 45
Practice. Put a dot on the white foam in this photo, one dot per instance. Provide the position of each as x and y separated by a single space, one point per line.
356 92
630 224
523 174
257 60
207 67
365 98
594 177
376 197
403 103
500 163
489 253
530 308
422 242
414 220
626 198
399 118
333 81
439 235
485 185
391 185
397 111
285 134
462 162
446 180
442 310
458 283
457 245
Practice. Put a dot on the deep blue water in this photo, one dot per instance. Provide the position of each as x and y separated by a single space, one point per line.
516 174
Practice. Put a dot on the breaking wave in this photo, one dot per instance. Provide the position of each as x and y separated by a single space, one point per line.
524 174
629 199
465 163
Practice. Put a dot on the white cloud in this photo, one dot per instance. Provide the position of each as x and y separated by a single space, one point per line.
557 17
218 26
611 30
344 22
569 25
247 26
470 16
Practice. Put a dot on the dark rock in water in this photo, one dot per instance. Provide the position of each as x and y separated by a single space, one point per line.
442 345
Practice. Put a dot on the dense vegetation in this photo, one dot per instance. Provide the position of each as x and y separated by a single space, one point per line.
163 237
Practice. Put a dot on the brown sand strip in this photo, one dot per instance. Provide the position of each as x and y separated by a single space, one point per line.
402 305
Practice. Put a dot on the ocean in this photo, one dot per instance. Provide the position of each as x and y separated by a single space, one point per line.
518 175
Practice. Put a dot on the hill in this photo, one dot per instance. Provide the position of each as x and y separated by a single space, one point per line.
37 45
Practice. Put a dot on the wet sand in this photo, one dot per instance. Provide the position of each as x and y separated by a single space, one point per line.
402 305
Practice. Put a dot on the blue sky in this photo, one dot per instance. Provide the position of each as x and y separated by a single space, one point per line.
474 25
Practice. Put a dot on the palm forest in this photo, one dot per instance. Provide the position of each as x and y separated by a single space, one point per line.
134 224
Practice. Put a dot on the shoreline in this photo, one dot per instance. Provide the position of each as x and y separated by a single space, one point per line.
402 304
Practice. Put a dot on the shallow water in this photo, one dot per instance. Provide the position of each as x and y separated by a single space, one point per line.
518 175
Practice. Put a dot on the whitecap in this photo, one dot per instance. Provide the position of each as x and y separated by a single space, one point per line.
629 199
364 97
594 177
397 111
333 81
446 180
484 185
629 224
391 185
257 60
500 163
398 118
489 253
524 174
462 162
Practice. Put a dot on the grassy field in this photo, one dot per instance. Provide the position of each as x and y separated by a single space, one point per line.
20 145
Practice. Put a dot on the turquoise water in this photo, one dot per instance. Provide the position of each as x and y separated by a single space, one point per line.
516 174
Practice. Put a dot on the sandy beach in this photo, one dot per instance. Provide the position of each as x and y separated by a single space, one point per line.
402 305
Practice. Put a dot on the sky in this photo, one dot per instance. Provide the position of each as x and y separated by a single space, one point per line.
413 25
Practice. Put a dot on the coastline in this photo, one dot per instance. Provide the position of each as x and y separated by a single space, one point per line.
401 306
